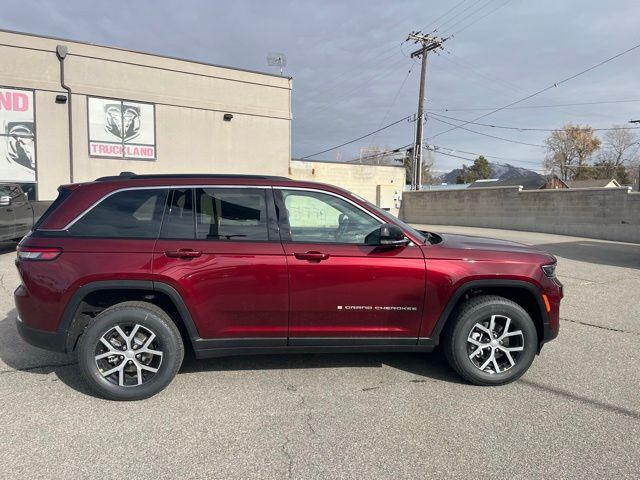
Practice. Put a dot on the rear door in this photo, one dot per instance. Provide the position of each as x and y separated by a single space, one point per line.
343 291
220 248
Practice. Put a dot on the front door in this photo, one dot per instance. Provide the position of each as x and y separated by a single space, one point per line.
7 215
23 211
219 247
342 290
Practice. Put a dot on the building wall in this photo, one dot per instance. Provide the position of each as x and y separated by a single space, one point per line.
604 213
190 100
378 184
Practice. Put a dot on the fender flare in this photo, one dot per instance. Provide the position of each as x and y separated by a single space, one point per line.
488 283
71 328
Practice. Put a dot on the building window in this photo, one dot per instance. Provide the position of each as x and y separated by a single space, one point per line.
17 135
121 129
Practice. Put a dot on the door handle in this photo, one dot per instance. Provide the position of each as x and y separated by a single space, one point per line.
183 253
311 256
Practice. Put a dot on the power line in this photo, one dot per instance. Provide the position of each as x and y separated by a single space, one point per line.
481 18
359 138
395 98
367 81
444 15
361 72
481 133
555 105
554 85
505 159
457 15
529 129
458 22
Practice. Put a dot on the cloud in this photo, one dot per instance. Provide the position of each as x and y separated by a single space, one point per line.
347 64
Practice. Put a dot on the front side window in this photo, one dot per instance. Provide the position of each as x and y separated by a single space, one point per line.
316 217
128 214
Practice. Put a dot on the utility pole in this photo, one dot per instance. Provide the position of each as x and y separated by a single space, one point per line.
637 121
428 43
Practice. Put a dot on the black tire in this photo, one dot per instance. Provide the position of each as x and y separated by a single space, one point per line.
167 340
478 310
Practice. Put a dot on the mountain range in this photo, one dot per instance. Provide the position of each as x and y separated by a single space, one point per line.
502 171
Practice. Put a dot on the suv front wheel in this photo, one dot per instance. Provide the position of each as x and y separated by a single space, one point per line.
130 351
492 341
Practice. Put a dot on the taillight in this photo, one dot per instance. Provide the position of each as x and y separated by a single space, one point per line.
38 253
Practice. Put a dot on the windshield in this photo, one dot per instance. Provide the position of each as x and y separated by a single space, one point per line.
393 219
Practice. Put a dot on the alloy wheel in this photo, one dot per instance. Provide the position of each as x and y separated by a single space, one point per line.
128 355
494 346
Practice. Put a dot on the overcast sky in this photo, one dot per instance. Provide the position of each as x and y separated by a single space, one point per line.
348 64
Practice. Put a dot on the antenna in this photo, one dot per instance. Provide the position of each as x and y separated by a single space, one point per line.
275 59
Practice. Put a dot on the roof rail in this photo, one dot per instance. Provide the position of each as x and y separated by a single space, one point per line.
131 175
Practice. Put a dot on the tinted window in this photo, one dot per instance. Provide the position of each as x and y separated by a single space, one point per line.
178 221
320 217
231 214
63 194
132 213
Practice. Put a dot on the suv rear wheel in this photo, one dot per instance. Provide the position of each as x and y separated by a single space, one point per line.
492 341
130 351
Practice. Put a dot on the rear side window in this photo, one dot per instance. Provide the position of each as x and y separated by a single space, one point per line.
217 214
178 220
63 194
231 214
129 214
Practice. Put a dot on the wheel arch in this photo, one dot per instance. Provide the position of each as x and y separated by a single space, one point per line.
86 300
524 293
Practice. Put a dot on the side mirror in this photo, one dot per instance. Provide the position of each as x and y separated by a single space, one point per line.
5 200
387 235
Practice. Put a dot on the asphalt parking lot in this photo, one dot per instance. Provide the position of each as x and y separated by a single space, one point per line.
575 414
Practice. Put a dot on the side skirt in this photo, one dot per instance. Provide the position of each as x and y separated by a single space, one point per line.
278 346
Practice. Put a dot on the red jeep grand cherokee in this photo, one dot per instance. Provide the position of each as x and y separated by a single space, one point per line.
128 270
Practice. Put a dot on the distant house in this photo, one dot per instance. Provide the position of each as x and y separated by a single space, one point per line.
529 182
604 183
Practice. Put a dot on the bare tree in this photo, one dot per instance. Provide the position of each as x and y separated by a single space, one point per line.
427 166
619 154
569 150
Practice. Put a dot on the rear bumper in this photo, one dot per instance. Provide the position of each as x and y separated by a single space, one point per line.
54 341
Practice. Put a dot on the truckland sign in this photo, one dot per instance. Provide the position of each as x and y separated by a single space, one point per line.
17 136
121 129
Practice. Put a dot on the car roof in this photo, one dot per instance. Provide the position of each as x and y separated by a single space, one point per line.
131 175
89 193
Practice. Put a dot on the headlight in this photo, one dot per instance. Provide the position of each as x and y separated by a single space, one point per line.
549 270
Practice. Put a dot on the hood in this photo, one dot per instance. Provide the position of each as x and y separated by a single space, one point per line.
467 245
482 243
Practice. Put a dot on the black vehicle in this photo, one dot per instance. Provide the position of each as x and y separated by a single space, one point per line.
16 212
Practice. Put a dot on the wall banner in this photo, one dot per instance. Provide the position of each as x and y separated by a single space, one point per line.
17 135
121 129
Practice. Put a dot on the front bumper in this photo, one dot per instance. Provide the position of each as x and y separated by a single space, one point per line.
54 341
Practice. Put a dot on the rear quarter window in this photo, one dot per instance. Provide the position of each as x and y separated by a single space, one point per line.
126 214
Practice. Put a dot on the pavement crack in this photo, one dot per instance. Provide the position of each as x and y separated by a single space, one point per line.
611 329
288 456
3 285
302 403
